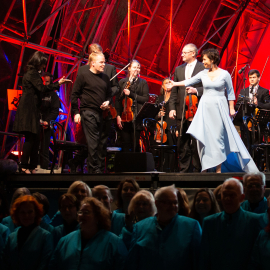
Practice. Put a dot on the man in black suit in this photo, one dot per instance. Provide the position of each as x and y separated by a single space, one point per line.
257 95
80 156
187 146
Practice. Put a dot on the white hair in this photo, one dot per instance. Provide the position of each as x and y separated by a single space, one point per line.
163 190
240 185
148 196
254 174
194 48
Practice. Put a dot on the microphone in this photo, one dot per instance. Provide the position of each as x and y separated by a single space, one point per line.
242 69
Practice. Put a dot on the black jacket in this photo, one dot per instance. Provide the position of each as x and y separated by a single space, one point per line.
139 89
28 112
262 97
178 93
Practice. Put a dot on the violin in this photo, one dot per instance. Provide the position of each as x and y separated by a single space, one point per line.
191 106
127 114
112 110
161 136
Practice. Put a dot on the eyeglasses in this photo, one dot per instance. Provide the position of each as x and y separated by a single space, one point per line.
85 213
184 53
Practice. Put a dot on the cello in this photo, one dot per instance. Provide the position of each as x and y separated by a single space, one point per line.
161 136
127 114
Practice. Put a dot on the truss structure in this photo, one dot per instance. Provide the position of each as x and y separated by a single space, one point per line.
152 31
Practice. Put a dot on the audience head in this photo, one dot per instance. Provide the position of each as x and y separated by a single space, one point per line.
125 192
68 205
80 189
93 215
18 193
104 195
183 204
232 195
42 199
26 211
204 204
142 205
166 202
254 186
217 193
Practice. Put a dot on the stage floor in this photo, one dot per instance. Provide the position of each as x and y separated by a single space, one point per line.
145 180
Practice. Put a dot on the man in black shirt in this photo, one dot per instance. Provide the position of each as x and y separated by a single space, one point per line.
92 86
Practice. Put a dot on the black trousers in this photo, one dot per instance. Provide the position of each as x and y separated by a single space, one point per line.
29 159
45 137
127 137
92 126
189 160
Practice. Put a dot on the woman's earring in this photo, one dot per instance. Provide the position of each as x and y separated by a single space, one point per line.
211 65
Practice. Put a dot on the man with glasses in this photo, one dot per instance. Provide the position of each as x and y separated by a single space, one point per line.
187 146
228 237
167 240
254 186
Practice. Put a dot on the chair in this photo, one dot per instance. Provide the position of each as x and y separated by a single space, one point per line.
149 126
62 145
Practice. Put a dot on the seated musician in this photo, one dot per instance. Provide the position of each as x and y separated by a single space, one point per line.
257 95
164 98
138 92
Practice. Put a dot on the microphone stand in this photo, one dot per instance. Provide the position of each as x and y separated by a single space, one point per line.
135 112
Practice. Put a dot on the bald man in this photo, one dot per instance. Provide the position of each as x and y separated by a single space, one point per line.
103 194
167 240
228 237
93 88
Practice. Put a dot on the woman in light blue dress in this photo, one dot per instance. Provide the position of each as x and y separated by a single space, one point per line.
217 139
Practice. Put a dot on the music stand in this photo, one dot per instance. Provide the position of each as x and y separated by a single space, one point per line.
148 110
262 119
238 119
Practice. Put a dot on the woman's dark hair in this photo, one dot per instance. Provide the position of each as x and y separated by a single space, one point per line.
214 204
18 193
70 197
42 199
37 60
161 89
119 200
212 54
183 205
101 213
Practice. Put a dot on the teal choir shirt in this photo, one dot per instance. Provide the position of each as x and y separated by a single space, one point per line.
174 247
4 233
60 232
261 209
118 222
7 221
34 254
260 259
227 240
105 251
57 219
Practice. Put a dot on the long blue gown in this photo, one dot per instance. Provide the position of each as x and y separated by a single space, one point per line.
174 247
228 240
217 138
105 251
34 254
260 259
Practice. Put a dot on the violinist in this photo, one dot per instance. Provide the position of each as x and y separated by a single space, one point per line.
164 99
257 95
187 146
136 91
